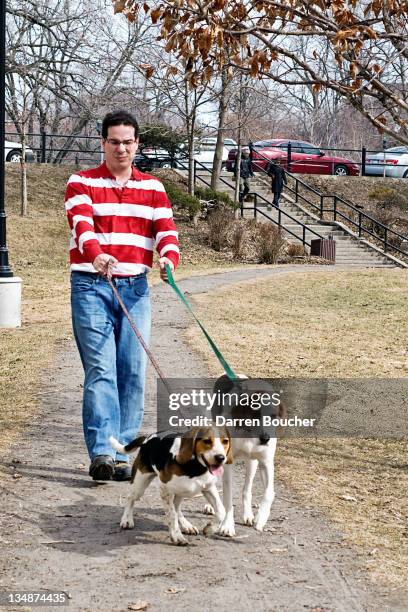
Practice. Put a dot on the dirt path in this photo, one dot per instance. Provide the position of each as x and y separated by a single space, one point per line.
60 531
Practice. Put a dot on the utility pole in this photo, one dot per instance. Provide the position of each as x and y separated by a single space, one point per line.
10 285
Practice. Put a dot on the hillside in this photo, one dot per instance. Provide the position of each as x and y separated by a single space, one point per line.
383 198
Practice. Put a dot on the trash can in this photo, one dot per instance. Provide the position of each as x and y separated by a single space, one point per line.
321 247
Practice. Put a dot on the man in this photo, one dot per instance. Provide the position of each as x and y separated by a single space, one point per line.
278 175
245 174
116 214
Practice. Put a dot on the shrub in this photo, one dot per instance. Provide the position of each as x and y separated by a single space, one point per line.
239 239
389 196
295 250
180 199
219 223
270 243
384 215
206 193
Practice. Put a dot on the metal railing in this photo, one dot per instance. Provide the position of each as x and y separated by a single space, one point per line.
365 225
47 149
278 222
291 162
256 210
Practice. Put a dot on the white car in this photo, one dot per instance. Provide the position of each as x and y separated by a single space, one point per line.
12 152
206 150
396 163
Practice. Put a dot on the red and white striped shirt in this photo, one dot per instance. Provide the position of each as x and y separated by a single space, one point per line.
123 221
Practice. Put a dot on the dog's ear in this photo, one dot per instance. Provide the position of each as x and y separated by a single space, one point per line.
187 446
230 456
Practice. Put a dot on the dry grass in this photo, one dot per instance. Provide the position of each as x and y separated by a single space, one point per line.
38 254
38 248
337 324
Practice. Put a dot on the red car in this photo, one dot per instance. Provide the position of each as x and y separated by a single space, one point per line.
305 157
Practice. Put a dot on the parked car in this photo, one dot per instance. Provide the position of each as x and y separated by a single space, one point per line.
149 158
205 150
305 158
396 163
229 143
12 152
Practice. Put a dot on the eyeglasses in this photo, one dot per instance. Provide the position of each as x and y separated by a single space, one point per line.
116 143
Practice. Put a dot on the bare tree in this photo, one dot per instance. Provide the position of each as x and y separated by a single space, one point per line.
356 49
75 60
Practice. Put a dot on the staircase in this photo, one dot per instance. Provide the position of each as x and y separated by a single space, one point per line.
350 251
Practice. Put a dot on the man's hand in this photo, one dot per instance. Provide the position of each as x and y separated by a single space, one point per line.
104 264
162 262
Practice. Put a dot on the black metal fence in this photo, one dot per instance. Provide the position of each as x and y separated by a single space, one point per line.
332 207
363 161
81 149
61 148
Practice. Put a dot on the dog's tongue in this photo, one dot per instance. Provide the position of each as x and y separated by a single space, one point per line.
217 470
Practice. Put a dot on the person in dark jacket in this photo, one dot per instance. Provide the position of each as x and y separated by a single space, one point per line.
278 176
245 175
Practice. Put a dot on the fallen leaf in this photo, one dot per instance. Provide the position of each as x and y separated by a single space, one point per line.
277 550
139 605
348 498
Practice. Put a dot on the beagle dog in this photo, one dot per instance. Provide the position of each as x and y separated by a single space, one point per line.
255 447
185 465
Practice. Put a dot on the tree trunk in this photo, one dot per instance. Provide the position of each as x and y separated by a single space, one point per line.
23 183
24 199
190 125
219 147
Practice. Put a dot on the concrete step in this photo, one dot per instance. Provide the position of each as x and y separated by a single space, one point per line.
349 251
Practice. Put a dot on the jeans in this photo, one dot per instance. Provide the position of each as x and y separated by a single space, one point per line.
276 198
113 359
244 188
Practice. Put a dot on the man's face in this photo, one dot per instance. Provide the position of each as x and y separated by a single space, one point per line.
120 146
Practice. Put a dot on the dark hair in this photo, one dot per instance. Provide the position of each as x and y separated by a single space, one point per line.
119 117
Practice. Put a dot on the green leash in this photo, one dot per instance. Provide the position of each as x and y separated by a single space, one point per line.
228 370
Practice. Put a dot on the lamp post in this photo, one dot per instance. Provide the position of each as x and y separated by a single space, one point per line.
10 285
5 270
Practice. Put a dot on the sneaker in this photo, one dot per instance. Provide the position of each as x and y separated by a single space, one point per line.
102 467
122 471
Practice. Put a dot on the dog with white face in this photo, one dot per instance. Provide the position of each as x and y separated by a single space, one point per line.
256 449
186 465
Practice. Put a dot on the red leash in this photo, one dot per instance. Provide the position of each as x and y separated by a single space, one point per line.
138 334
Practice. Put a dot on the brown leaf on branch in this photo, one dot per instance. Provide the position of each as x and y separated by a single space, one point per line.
119 6
336 33
254 66
147 69
171 70
156 14
354 69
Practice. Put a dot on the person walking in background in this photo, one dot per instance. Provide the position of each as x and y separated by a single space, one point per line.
245 174
116 215
278 176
